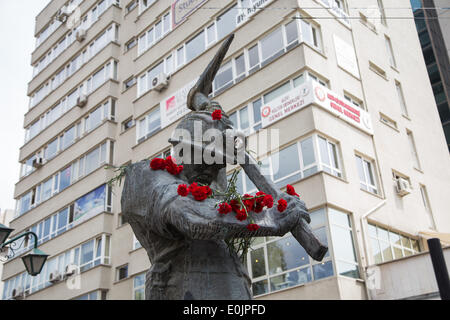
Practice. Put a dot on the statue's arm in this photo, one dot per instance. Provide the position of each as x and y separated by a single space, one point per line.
150 202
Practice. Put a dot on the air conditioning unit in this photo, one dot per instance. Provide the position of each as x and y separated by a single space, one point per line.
403 187
70 270
63 14
17 293
55 277
81 34
38 163
82 101
160 82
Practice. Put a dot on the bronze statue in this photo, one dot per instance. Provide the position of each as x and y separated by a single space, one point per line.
185 238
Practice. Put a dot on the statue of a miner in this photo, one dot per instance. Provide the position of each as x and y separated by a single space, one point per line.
181 228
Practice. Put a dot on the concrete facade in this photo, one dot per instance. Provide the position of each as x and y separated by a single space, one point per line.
320 153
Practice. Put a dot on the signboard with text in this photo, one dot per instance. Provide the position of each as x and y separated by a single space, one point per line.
246 13
174 107
181 9
313 92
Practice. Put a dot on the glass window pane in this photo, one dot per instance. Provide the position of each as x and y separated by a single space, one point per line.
286 254
253 56
258 263
290 279
376 251
226 22
224 76
92 160
343 244
339 218
87 252
272 44
307 35
386 250
308 152
240 65
323 270
277 92
323 147
347 269
243 118
260 287
291 32
285 162
318 218
65 178
257 111
195 46
299 80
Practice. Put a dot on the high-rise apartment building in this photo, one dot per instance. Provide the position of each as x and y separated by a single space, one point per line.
433 26
110 83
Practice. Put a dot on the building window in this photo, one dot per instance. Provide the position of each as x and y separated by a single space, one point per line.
144 4
354 101
343 244
155 33
382 12
129 83
139 287
401 98
388 121
145 81
130 44
298 161
149 125
95 295
388 245
136 243
426 205
279 263
248 118
367 177
82 258
390 52
127 124
413 149
133 4
122 272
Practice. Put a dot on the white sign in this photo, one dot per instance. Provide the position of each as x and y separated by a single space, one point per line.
286 104
346 57
174 107
314 92
246 13
341 108
181 9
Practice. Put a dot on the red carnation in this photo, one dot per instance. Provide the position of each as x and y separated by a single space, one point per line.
282 205
259 198
201 193
172 167
192 187
235 205
252 227
183 190
268 201
259 207
249 202
241 215
225 208
291 191
217 114
158 164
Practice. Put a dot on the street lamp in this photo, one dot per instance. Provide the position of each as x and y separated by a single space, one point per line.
34 261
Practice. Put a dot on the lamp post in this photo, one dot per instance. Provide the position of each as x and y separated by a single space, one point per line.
34 261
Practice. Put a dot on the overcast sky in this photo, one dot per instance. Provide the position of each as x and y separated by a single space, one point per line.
17 35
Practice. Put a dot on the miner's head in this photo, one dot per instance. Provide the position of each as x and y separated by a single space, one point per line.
204 145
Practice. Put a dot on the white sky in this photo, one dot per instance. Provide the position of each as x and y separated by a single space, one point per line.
17 19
